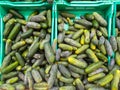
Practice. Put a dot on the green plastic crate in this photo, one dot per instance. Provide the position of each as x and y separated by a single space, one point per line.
105 9
25 11
116 8
21 2
86 1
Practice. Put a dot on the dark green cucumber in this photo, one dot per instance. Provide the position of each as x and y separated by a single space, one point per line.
27 33
10 67
33 50
18 45
53 76
20 59
6 61
14 31
93 66
15 13
8 27
49 53
9 75
64 71
49 20
36 76
7 17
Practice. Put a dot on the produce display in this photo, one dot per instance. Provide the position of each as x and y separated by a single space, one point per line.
84 48
56 49
28 53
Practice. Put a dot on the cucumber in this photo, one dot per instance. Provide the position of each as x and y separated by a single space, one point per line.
21 21
92 55
95 24
108 48
67 88
102 57
92 46
102 49
37 18
99 70
113 43
19 87
36 75
76 69
66 80
81 49
32 14
9 68
7 17
115 81
65 72
82 40
44 25
100 19
64 14
12 80
63 63
104 31
105 80
15 13
96 77
101 40
61 37
53 76
99 33
14 31
49 18
65 54
75 75
30 80
118 43
87 36
93 66
72 42
49 53
117 58
58 53
83 22
9 75
79 84
27 33
42 33
33 25
77 63
8 46
89 16
65 47
7 87
33 50
8 26
20 59
6 61
78 26
77 34
18 45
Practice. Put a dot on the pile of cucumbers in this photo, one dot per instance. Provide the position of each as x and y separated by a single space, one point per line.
28 52
80 61
84 48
